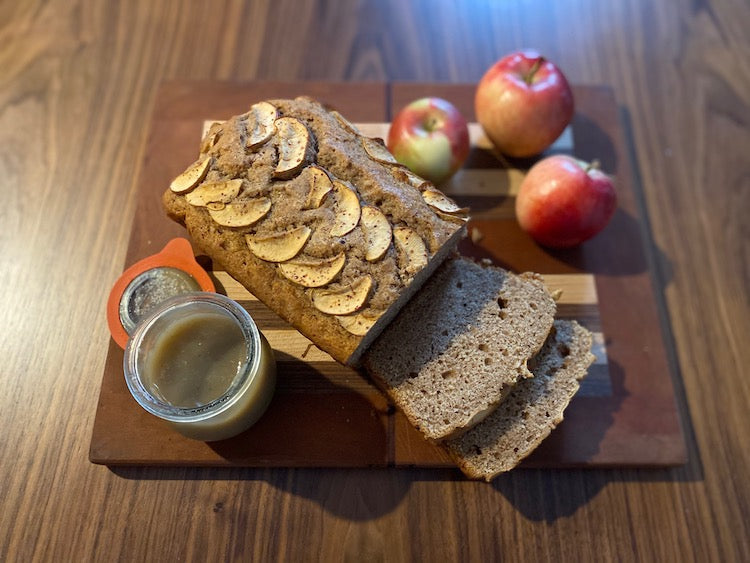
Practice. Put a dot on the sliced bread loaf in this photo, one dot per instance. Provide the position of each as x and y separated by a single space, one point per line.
532 409
316 220
456 349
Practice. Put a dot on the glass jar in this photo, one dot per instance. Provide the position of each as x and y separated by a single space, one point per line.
199 362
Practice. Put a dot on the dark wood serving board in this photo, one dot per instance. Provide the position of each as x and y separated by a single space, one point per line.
326 415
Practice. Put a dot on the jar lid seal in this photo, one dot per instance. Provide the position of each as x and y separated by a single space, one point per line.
150 281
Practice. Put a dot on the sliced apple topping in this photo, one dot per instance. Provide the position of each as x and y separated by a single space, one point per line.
343 301
210 192
320 187
241 213
359 323
377 231
260 126
411 248
417 181
438 200
191 177
399 173
294 140
313 272
347 209
209 141
279 247
459 217
377 151
345 123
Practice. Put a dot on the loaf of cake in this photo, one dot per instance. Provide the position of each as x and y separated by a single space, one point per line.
319 222
532 409
458 347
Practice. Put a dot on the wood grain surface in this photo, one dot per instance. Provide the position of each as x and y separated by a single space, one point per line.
76 79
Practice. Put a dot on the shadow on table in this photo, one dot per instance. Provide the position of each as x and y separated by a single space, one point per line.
363 494
368 494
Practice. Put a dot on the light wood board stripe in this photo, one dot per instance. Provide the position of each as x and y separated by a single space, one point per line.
293 345
578 301
484 182
597 382
576 289
477 138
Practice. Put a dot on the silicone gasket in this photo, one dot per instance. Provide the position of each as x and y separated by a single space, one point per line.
178 254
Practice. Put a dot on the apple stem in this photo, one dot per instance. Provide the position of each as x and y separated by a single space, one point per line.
529 77
593 165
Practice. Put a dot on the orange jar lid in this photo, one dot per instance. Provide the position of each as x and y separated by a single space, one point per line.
145 284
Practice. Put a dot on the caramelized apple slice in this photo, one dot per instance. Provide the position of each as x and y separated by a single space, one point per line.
458 217
260 124
359 323
294 141
210 192
320 187
417 181
209 141
403 174
241 213
375 148
313 272
279 247
411 248
191 177
377 231
343 301
438 200
347 209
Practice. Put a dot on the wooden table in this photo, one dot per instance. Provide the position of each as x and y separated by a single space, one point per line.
78 82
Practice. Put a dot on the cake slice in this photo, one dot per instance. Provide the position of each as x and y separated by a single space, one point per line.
320 223
458 347
532 409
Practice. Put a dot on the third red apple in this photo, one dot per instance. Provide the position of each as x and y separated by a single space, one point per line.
563 201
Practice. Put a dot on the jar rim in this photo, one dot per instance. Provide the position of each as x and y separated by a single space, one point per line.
244 377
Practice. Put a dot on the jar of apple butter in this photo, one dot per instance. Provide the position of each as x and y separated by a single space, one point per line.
199 362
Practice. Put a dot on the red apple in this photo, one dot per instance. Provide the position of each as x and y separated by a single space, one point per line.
431 138
523 103
564 201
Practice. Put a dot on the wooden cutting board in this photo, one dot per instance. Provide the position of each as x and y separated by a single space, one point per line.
326 415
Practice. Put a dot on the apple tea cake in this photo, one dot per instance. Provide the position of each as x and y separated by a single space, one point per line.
319 222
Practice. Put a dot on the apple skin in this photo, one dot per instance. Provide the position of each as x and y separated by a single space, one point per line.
431 138
523 103
563 201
